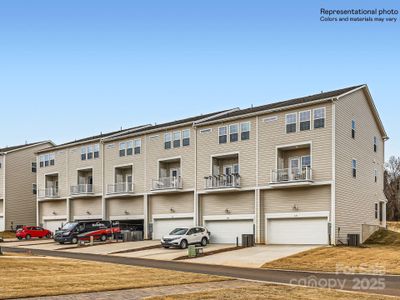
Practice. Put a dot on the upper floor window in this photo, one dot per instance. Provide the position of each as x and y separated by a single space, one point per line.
122 149
46 160
291 122
34 167
89 152
375 144
305 120
177 139
319 117
222 135
354 168
245 131
167 141
51 159
376 175
41 161
34 188
233 133
306 161
129 148
137 146
376 211
96 152
353 129
83 153
186 137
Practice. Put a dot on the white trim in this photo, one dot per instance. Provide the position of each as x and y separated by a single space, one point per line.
126 217
84 168
88 217
30 146
173 216
292 215
230 217
53 218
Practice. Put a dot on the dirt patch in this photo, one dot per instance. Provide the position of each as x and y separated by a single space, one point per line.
7 235
210 253
384 237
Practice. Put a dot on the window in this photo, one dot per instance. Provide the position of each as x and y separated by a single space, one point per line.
138 146
34 168
129 148
186 137
167 141
376 175
245 131
89 152
319 118
291 122
96 152
122 149
41 161
177 139
83 153
376 211
222 135
305 122
51 158
34 188
306 161
354 167
375 144
46 160
233 133
353 129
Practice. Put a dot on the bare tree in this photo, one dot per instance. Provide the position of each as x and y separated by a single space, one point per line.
392 187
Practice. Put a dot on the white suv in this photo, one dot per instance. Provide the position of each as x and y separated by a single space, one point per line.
184 236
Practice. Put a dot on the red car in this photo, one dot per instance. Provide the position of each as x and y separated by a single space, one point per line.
28 232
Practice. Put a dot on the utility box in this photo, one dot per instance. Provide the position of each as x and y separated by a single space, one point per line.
247 240
192 251
353 240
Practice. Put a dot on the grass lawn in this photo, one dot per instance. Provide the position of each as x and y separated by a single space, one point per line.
382 252
23 276
275 292
7 234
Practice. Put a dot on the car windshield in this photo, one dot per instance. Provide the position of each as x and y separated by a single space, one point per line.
69 226
178 231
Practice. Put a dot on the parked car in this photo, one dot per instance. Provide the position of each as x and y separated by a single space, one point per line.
72 232
28 232
183 236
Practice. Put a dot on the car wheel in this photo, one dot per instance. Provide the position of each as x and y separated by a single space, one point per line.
28 237
20 238
103 238
48 236
61 243
40 237
74 240
204 241
184 244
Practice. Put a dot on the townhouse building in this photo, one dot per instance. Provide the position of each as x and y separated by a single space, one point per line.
303 171
18 184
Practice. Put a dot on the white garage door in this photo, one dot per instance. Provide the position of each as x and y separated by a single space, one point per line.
53 225
311 231
226 231
1 223
162 227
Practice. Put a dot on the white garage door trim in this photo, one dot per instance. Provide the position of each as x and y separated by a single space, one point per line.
173 216
1 223
173 223
229 217
127 217
225 231
323 216
88 217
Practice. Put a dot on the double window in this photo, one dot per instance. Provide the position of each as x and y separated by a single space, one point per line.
233 131
90 152
130 147
354 168
177 139
305 120
46 160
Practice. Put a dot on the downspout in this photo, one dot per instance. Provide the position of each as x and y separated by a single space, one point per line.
4 191
195 194
333 185
103 190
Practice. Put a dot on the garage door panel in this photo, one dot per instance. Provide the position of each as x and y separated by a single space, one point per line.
163 227
297 231
226 231
53 225
1 223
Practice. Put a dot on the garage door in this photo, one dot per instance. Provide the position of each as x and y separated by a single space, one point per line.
312 231
162 227
1 223
53 225
225 232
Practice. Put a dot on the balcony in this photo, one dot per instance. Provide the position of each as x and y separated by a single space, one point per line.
292 176
48 193
167 184
224 181
82 189
120 188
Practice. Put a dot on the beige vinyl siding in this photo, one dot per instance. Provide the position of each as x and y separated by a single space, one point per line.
208 146
356 197
119 206
52 209
2 177
79 207
1 206
156 152
235 202
113 160
273 134
179 202
60 168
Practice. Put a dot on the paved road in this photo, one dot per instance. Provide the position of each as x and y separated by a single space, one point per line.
347 282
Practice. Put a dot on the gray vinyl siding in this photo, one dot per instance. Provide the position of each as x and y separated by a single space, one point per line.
125 206
179 202
80 206
235 202
356 197
52 209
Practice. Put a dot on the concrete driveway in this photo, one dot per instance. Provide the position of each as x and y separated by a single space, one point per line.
171 253
253 257
110 248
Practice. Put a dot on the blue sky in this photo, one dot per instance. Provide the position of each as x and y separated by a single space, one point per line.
71 69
